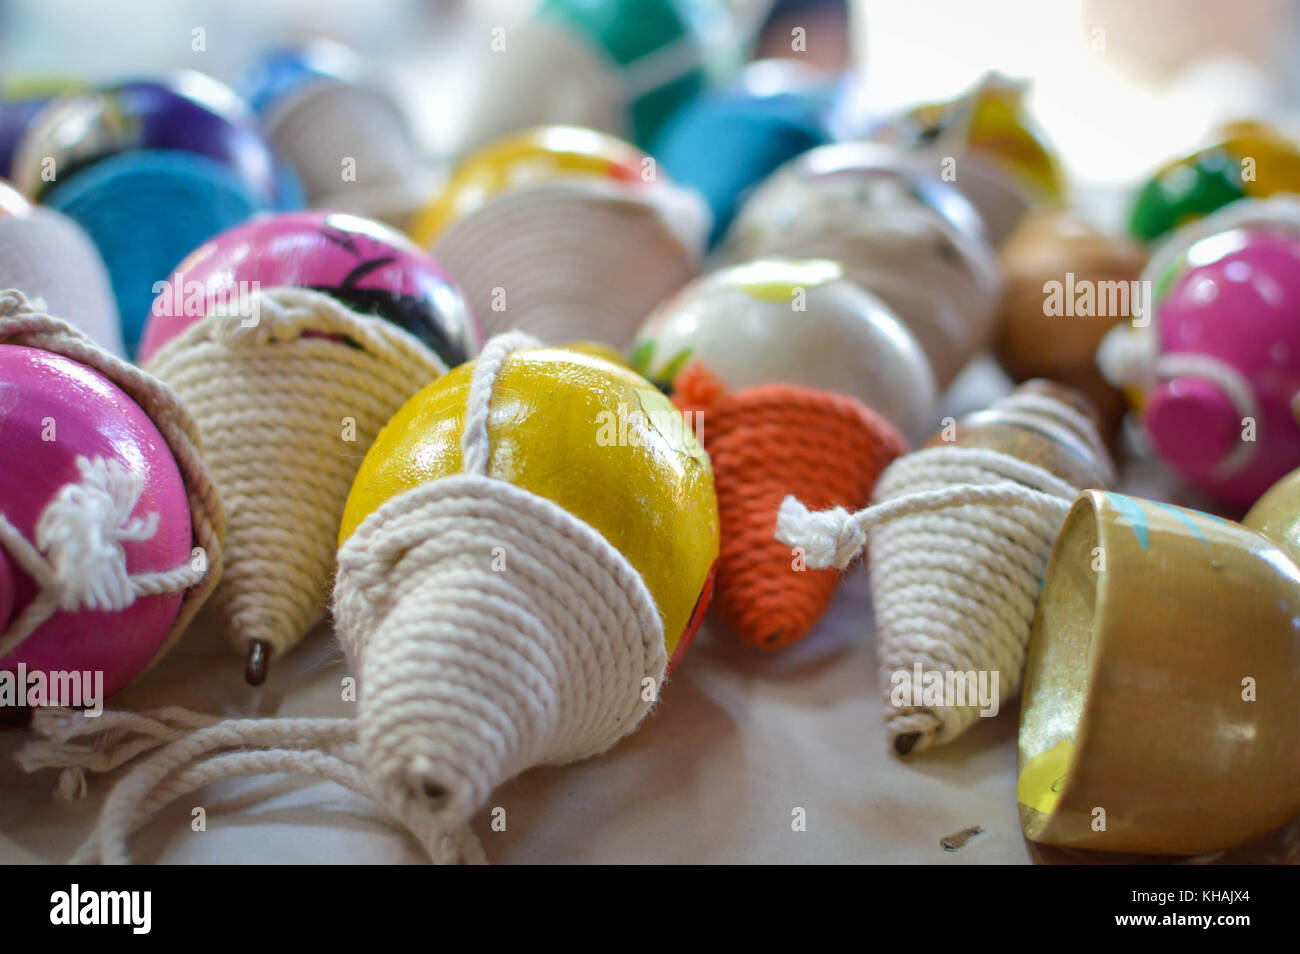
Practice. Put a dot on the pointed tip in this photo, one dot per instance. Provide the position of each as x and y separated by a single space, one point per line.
259 662
905 743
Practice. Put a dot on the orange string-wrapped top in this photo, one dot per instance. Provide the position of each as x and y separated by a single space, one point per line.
767 442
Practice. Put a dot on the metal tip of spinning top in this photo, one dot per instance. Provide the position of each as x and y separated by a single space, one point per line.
259 662
903 744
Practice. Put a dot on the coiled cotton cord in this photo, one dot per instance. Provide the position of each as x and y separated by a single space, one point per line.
468 675
471 675
274 398
331 122
575 260
959 540
324 748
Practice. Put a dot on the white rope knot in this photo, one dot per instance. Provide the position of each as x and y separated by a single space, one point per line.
835 537
232 748
76 742
285 316
82 530
1131 358
77 559
193 750
1127 356
827 537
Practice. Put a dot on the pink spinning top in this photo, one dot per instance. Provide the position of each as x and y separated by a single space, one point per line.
90 484
1222 405
367 266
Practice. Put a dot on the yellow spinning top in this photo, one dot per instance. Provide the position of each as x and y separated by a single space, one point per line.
593 437
537 155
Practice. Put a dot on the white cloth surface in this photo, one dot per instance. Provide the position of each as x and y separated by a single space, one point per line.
738 742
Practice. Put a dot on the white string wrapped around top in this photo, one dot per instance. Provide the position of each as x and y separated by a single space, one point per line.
284 430
77 560
467 675
959 540
52 257
471 675
575 260
321 127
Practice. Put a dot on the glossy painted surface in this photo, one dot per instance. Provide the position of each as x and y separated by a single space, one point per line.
369 267
991 122
12 202
187 112
726 141
910 239
1238 304
543 154
1036 439
16 115
281 74
1277 515
598 349
554 426
90 416
1135 694
1059 247
1252 159
857 175
627 31
6 591
780 321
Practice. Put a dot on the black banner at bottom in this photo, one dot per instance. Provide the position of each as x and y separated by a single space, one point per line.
333 903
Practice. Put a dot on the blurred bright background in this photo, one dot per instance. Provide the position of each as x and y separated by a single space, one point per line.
1119 85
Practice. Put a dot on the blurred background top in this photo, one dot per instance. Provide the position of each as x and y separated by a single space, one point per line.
1118 85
